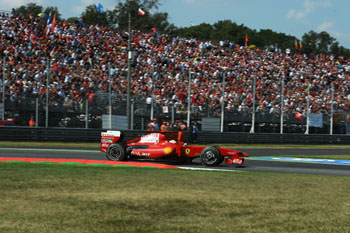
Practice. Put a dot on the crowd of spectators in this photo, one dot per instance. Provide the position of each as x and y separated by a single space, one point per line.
84 58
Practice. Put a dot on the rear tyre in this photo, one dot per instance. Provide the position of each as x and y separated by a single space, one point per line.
116 152
211 156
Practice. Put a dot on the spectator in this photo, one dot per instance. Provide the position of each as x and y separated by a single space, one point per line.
194 131
347 123
79 56
31 122
182 126
176 126
153 126
164 127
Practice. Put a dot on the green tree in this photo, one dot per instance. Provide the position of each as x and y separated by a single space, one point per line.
92 16
319 43
324 42
145 22
25 10
202 31
334 48
51 11
339 50
310 42
267 38
72 20
344 52
227 30
34 9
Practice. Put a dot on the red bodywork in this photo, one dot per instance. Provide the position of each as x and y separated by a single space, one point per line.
156 145
8 122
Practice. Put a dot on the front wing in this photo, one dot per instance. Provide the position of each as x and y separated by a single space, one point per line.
230 156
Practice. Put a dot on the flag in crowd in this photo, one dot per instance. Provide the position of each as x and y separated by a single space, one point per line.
53 23
141 12
47 28
80 21
300 45
296 44
42 15
100 8
246 40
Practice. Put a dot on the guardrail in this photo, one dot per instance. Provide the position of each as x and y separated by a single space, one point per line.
93 135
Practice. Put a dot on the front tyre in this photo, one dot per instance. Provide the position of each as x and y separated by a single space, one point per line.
211 156
116 152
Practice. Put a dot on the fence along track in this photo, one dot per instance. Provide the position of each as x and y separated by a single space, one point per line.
93 135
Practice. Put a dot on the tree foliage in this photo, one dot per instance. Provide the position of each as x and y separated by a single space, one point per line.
202 31
50 10
228 30
72 20
313 42
92 16
145 22
25 10
34 9
322 43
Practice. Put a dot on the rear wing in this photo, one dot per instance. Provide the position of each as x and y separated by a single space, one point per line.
108 138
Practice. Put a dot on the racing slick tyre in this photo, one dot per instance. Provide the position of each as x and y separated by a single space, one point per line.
211 156
222 158
116 152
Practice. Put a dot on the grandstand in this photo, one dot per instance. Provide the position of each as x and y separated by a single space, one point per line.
79 76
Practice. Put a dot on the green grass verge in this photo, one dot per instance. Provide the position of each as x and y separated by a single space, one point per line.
62 198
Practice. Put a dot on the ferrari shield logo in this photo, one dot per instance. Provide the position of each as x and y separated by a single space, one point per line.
188 151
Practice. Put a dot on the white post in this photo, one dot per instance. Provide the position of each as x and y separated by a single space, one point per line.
252 129
331 120
3 87
36 112
47 93
128 94
132 115
86 114
172 113
189 100
110 95
282 98
152 93
223 104
308 109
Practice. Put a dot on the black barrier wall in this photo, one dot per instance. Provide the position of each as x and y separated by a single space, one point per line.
93 135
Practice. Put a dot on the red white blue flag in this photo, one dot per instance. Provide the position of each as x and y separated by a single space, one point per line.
141 12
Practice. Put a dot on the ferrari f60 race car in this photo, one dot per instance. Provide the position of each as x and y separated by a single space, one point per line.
165 145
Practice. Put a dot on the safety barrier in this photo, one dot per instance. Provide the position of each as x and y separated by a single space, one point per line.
93 135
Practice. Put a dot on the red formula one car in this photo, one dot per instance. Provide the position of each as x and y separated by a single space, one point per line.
162 145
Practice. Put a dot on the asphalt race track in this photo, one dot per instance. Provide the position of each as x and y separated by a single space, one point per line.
259 162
